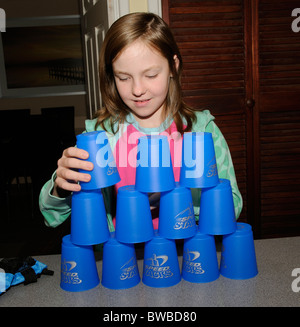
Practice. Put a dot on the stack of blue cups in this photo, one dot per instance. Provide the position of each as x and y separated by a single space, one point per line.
154 173
216 217
88 216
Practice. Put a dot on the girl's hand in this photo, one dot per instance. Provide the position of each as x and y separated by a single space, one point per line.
67 175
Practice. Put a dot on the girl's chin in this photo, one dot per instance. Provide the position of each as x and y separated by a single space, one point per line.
146 120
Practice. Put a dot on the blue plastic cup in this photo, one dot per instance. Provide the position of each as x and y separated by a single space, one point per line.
133 216
88 218
154 171
198 167
78 267
119 265
176 214
217 215
105 172
200 262
161 267
238 259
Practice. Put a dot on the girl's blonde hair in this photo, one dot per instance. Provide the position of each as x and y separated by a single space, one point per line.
152 30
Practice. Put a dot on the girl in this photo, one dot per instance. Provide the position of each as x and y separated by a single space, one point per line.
140 69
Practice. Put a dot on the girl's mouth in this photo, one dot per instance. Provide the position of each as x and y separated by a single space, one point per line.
141 102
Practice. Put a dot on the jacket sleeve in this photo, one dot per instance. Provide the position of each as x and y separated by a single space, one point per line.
55 210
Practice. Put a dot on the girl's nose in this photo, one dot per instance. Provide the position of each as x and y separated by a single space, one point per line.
138 88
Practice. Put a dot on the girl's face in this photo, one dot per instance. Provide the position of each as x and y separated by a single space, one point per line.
142 78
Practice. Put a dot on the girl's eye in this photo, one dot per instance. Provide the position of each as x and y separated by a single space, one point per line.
151 76
122 78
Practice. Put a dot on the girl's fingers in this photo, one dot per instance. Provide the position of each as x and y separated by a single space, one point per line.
67 175
71 175
76 153
74 163
67 186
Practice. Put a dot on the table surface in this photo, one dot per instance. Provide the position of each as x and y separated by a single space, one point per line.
272 287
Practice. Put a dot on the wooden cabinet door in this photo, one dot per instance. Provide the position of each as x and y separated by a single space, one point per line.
277 117
242 61
211 36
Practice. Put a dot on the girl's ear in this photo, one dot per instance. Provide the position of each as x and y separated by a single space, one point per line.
176 60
